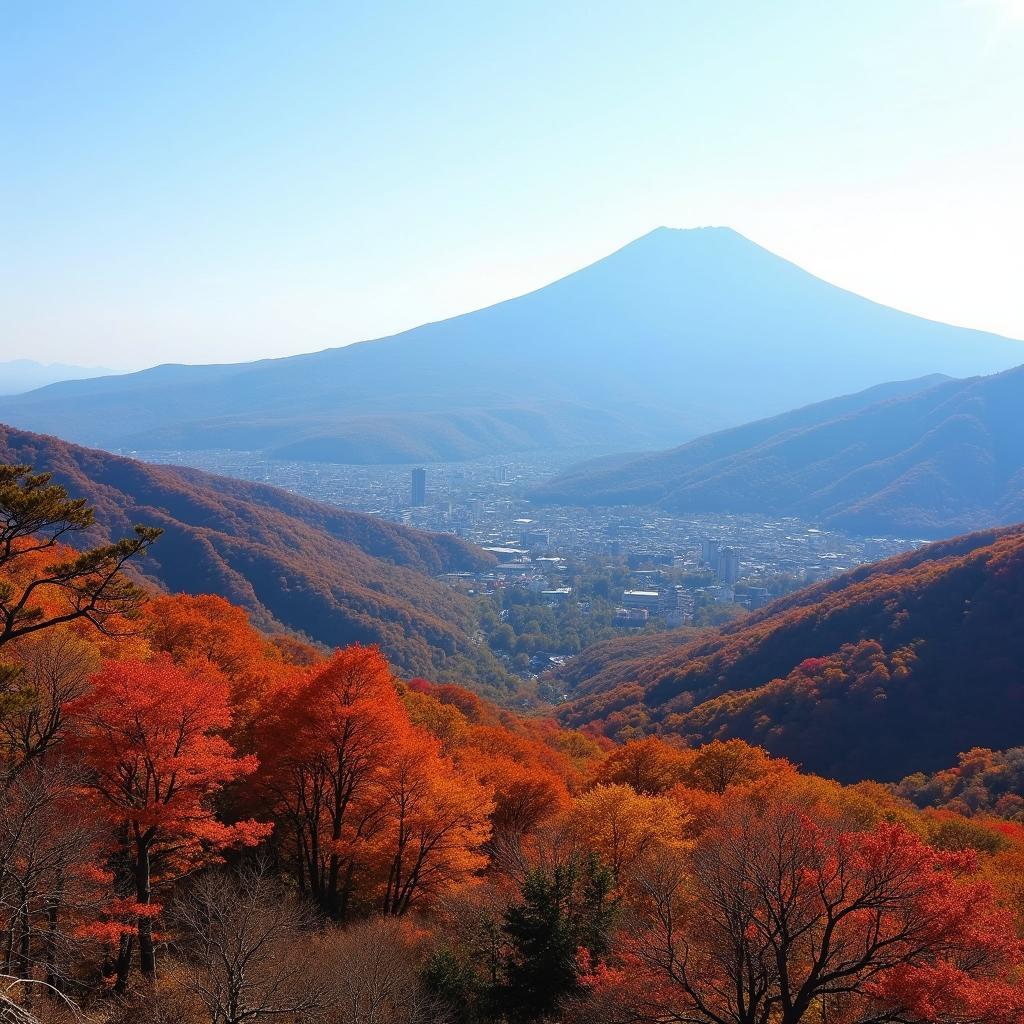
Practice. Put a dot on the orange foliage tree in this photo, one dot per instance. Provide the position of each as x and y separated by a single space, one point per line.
209 634
437 820
44 583
323 756
626 829
649 765
527 778
367 802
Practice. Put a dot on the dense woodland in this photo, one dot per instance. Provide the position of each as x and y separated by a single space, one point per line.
893 668
200 822
982 782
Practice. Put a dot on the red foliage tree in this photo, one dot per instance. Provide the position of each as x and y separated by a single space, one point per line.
777 918
149 735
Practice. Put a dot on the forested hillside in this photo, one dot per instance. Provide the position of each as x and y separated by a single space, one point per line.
335 576
981 782
893 668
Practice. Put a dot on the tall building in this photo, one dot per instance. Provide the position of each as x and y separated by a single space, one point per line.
535 538
419 488
709 554
728 565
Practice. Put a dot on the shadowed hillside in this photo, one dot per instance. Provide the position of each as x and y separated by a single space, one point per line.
892 668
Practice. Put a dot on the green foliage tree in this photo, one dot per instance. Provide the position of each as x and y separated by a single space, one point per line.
455 984
36 516
564 910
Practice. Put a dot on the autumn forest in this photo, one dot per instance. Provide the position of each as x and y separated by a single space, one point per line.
201 822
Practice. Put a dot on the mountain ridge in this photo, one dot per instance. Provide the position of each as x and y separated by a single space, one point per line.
19 376
669 336
937 459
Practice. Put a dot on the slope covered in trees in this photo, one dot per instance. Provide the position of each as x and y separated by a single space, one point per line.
932 462
982 782
670 337
336 576
890 669
199 825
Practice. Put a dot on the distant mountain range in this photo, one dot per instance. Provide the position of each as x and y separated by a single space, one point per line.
890 669
20 375
678 333
336 576
928 458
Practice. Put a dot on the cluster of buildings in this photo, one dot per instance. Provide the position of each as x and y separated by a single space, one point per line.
675 564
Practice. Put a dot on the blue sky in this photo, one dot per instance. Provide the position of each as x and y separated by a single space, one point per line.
222 181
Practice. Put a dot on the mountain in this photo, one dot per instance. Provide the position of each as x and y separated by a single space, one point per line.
19 375
337 576
933 461
892 668
676 334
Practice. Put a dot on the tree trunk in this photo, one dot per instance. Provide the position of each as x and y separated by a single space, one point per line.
331 895
300 858
346 891
53 977
9 944
124 962
23 958
144 896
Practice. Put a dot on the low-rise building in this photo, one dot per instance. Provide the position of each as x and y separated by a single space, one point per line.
649 600
635 618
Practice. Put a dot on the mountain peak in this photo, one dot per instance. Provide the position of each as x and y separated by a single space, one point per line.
698 233
680 332
667 249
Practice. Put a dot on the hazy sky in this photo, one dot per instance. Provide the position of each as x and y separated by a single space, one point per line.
222 181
